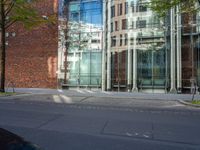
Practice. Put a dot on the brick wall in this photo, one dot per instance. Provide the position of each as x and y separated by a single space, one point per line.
31 56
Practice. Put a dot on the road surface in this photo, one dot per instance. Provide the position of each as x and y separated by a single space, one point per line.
58 122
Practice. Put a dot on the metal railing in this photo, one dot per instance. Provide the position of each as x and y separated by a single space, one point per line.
10 85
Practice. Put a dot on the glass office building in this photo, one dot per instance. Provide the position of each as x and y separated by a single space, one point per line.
122 45
138 47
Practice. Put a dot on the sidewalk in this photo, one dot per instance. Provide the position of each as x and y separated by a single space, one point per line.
102 98
99 93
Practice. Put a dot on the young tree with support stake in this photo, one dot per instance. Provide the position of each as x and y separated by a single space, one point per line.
12 11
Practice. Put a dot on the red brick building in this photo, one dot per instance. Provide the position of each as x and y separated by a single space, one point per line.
31 55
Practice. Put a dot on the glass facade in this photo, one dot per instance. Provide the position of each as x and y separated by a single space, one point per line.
85 68
84 42
152 53
140 31
152 68
139 50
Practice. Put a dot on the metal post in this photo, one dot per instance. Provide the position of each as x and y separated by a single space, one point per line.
166 60
104 47
173 52
118 71
179 62
135 89
129 64
109 47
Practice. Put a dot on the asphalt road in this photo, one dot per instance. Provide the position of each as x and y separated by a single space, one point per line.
97 123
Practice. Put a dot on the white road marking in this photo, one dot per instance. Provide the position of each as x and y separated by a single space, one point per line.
66 99
59 90
136 134
129 134
146 136
56 99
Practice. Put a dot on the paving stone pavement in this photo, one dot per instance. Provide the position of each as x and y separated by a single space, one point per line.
86 97
99 93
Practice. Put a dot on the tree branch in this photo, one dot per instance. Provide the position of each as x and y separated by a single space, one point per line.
10 23
7 11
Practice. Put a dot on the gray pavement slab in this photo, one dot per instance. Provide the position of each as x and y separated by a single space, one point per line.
97 101
112 101
56 98
99 93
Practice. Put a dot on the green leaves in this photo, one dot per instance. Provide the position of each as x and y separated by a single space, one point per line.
23 11
161 7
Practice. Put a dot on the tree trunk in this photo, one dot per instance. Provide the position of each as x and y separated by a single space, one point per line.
66 46
2 50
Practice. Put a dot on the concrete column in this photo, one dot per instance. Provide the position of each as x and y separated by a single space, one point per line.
109 45
129 77
173 52
103 82
179 62
135 89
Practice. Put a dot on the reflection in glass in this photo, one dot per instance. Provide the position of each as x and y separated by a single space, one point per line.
85 41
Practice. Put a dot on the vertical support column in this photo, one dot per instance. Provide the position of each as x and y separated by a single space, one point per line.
173 52
104 33
129 63
109 45
135 89
179 62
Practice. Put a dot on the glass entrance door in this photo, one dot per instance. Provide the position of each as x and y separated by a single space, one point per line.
152 69
85 69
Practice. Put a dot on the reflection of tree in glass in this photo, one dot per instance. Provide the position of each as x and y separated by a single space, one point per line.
78 37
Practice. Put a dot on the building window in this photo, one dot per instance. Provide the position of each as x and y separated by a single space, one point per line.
141 24
126 8
116 26
95 41
124 24
111 27
121 39
132 25
141 8
119 9
126 39
112 11
113 41
132 6
132 41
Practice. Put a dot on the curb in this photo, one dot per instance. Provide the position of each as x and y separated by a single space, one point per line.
15 95
188 104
